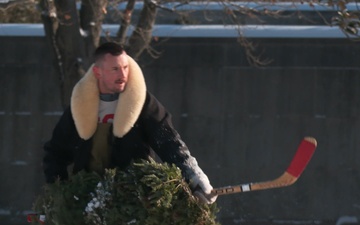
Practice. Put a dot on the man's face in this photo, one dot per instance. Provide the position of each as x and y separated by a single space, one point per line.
112 73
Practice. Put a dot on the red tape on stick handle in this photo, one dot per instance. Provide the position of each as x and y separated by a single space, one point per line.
302 156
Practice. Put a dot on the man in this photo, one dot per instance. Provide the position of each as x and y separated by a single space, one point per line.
113 119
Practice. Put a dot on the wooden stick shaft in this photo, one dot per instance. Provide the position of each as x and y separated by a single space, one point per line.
290 176
284 180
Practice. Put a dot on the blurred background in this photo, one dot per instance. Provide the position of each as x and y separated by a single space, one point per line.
242 95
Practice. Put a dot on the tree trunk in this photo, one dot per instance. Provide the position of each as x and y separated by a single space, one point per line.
141 37
62 28
125 22
72 47
91 17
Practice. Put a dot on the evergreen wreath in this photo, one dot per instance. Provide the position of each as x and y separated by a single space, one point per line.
146 193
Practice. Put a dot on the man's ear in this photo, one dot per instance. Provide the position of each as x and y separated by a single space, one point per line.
96 71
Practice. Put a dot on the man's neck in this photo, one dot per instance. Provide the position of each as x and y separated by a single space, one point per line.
109 97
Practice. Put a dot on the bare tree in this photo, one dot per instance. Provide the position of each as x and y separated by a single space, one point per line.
74 36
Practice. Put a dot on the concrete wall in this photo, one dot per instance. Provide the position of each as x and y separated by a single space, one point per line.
242 123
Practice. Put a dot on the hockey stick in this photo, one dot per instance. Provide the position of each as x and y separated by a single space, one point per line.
293 172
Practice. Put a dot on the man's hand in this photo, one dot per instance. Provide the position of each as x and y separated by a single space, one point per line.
201 188
205 198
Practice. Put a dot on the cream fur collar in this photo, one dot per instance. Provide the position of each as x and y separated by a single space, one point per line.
85 103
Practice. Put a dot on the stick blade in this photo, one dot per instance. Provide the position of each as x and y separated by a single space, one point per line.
302 156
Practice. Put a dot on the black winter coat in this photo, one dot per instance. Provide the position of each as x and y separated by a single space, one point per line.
152 130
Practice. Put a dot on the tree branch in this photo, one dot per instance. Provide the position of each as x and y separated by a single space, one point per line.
6 5
92 14
141 37
125 22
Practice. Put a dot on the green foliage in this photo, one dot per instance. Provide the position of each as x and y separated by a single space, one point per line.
146 193
64 202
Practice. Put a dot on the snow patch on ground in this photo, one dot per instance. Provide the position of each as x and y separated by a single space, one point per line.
19 163
5 212
347 220
301 222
